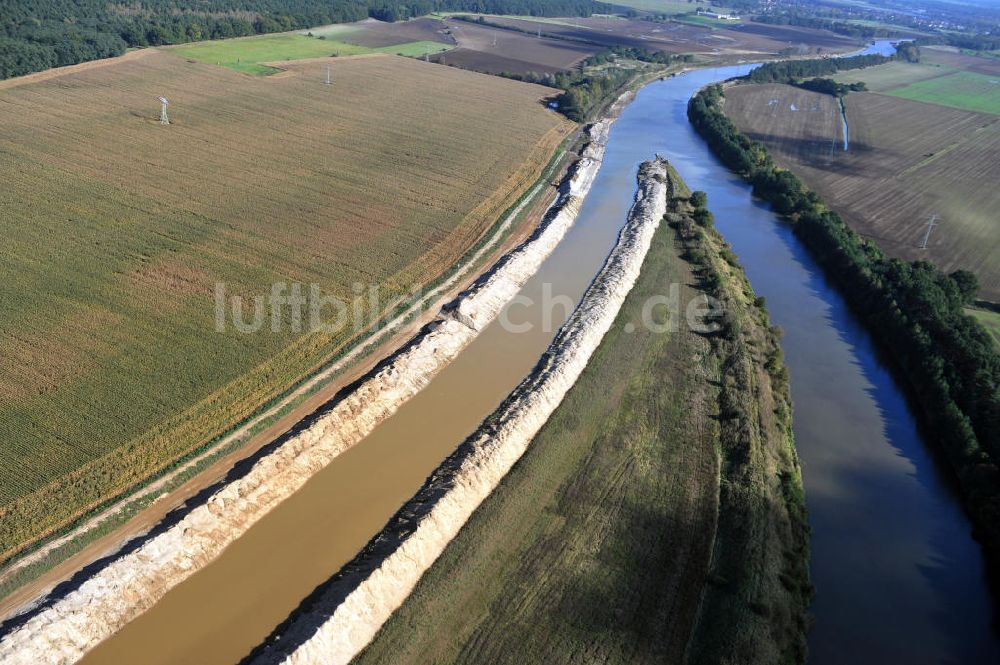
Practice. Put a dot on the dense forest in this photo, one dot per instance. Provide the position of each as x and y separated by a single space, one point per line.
914 311
39 34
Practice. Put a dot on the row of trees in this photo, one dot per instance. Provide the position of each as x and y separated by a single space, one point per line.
789 71
915 312
973 42
39 34
831 87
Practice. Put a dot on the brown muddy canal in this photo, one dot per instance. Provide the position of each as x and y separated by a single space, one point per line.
223 611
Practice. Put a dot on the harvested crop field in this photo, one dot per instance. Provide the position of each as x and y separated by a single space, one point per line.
950 57
119 230
892 75
257 55
682 38
495 51
907 161
794 36
376 34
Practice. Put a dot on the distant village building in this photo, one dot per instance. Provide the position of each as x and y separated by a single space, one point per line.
717 15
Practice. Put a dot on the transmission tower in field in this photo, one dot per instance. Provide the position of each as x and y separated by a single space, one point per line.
930 227
164 120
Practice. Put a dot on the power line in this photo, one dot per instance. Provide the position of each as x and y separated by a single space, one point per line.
164 120
930 226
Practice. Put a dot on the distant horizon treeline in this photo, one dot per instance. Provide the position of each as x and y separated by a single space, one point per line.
39 34
840 27
914 311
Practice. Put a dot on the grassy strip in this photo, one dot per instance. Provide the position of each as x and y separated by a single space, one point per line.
247 54
602 539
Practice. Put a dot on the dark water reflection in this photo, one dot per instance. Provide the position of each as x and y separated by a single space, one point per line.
899 578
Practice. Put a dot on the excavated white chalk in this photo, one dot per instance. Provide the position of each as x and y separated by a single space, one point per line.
66 628
341 619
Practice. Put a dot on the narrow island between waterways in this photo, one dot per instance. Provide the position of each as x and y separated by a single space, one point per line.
658 515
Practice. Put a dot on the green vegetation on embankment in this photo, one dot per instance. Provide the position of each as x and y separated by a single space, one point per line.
915 312
657 517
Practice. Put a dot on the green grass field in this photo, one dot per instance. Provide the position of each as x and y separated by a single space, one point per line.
602 540
962 90
941 77
893 75
247 54
989 319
